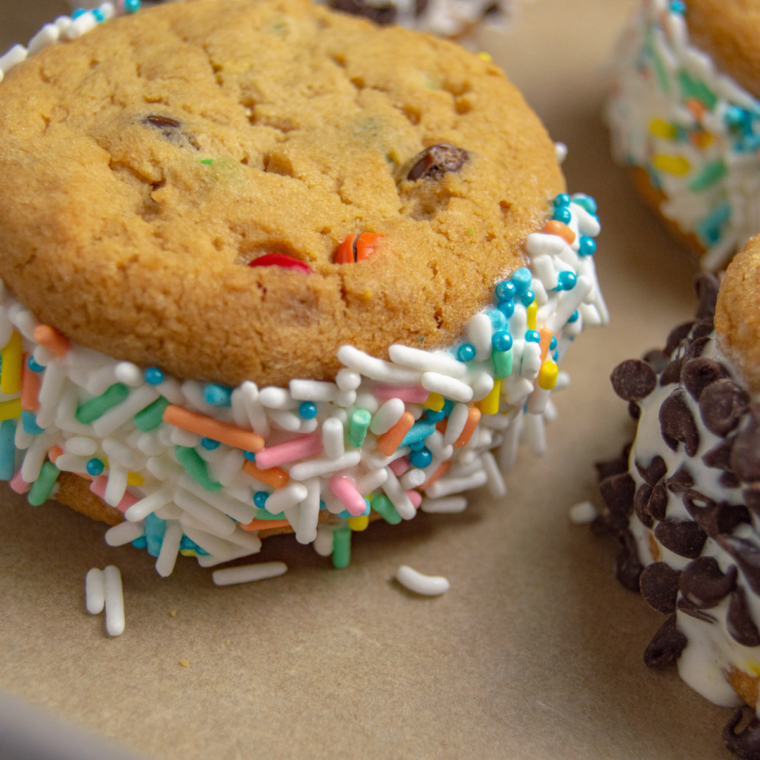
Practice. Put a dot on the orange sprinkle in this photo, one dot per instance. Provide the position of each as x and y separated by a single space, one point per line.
30 387
211 428
52 340
366 244
389 442
442 425
469 428
274 477
696 108
439 473
54 452
553 227
264 524
546 339
345 251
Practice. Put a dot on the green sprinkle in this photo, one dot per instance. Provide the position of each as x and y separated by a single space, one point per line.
710 174
470 231
207 161
382 505
341 556
696 88
43 486
196 467
150 417
657 65
262 514
357 427
502 363
96 407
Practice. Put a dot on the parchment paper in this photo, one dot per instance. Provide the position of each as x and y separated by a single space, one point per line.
535 652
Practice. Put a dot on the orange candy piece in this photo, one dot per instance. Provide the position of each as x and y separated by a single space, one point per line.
274 477
439 473
52 340
473 418
356 248
388 442
264 524
553 227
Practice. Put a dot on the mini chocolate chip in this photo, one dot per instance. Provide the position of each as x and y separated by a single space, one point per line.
683 537
681 480
438 160
703 583
162 122
714 518
658 502
654 472
666 645
752 498
729 480
739 620
745 455
380 14
606 525
657 359
633 380
696 502
617 492
745 744
677 423
697 374
671 373
640 502
628 568
721 405
747 556
611 467
685 606
659 586
703 329
706 286
677 334
720 456
695 348
634 411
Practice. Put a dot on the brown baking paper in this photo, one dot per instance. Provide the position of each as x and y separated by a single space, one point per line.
535 652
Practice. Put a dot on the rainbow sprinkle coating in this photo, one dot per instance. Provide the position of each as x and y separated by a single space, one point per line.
694 130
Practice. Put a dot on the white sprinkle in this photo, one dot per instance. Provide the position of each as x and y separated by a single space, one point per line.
46 36
15 56
62 23
534 431
81 25
448 505
33 459
239 412
479 332
248 573
332 438
120 453
519 392
398 496
387 416
204 512
427 585
114 601
84 358
457 421
367 401
582 513
94 591
531 361
219 548
427 361
309 517
81 446
171 390
568 302
23 440
438 449
286 497
248 540
286 420
588 224
124 533
538 400
449 486
243 512
495 479
412 479
180 437
51 389
482 386
196 398
162 468
541 244
318 467
134 403
101 380
212 560
372 480
167 556
323 543
377 369
348 380
345 398
544 267
227 468
129 374
560 152
590 315
378 461
146 506
550 413
64 415
446 386
117 484
71 463
170 512
276 398
563 380
508 450
312 390
495 421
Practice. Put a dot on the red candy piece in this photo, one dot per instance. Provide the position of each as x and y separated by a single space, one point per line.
281 260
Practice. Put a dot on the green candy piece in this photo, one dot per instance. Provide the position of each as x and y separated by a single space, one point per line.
357 427
341 556
152 416
502 363
196 467
262 514
382 505
96 407
43 486
710 174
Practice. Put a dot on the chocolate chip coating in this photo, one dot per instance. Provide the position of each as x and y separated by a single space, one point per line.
628 567
666 645
745 744
677 423
614 466
697 374
436 161
672 373
752 500
618 491
684 538
745 454
695 348
739 620
706 286
703 583
658 502
714 518
654 471
380 14
720 456
633 380
640 504
659 586
721 405
747 555
677 334
685 606
681 480
657 359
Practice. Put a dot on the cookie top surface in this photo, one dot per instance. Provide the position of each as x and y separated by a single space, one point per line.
146 164
737 316
729 33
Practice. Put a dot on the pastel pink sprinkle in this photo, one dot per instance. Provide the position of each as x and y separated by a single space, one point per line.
98 487
289 451
400 466
415 497
18 484
414 394
345 491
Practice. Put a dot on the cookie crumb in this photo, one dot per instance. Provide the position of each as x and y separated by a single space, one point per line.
184 663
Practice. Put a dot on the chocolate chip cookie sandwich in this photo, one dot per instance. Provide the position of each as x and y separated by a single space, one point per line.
684 498
270 268
685 117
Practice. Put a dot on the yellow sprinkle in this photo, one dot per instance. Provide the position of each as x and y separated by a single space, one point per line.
358 523
547 376
187 552
135 479
434 402
184 663
485 57
531 311
12 356
173 613
105 461
490 404
672 164
9 410
661 128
